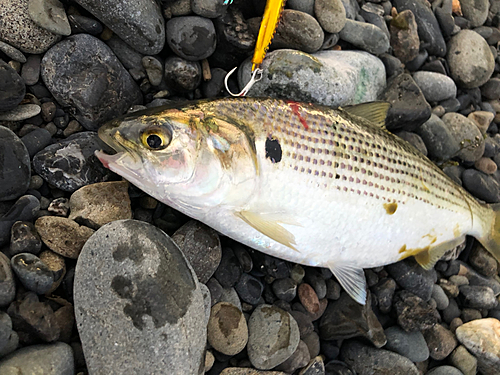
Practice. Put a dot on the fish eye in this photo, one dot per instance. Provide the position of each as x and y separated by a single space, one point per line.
156 138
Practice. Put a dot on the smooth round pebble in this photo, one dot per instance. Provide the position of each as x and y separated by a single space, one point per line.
13 88
411 345
467 136
181 74
462 359
24 238
32 272
285 289
227 329
445 370
440 342
330 14
436 87
486 165
192 38
249 289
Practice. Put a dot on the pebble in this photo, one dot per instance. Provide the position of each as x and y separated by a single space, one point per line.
363 359
36 141
82 24
414 139
306 6
300 358
248 371
12 52
152 296
481 185
30 71
53 359
130 58
20 113
24 209
227 329
482 338
208 8
483 261
491 89
384 291
101 83
413 313
331 15
464 361
126 18
440 341
193 38
285 289
32 272
477 297
19 30
249 289
5 329
313 344
55 263
476 11
409 275
59 207
182 75
442 300
436 87
314 367
13 90
11 345
316 280
62 235
308 298
329 78
467 136
346 318
49 15
411 345
7 283
438 138
482 119
404 36
365 36
15 169
71 164
154 69
445 370
470 59
229 271
273 336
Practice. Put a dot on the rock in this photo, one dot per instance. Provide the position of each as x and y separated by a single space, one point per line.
477 297
24 209
445 370
404 36
440 297
476 11
130 58
440 342
483 261
101 84
411 345
414 314
314 367
464 361
408 274
151 294
11 344
13 88
15 169
53 359
313 344
428 28
138 23
300 358
482 338
304 322
62 235
409 109
346 318
182 75
7 283
5 329
193 38
470 59
248 371
49 15
32 272
30 71
36 141
19 30
81 24
481 185
467 136
482 119
101 203
436 87
55 263
20 113
213 87
374 14
329 78
209 8
330 14
249 289
285 289
227 329
306 6
154 69
364 359
308 298
491 89
12 52
384 291
413 139
273 337
71 164
59 206
366 36
229 271
485 165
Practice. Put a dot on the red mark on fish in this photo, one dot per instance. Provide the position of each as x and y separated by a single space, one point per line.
295 109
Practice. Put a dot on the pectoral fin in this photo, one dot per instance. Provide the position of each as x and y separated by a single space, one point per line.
352 279
375 112
270 225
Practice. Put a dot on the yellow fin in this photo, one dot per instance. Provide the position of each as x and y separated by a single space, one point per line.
491 239
269 225
375 112
428 257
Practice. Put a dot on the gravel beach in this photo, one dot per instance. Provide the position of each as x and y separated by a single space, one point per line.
96 277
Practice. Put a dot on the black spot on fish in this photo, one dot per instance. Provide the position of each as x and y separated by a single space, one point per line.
273 150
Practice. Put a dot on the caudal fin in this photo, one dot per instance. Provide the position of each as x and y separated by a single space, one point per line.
491 239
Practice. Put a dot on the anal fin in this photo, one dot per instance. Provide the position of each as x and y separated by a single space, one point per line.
351 278
428 258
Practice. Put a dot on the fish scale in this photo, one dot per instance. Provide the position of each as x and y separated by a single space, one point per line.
309 184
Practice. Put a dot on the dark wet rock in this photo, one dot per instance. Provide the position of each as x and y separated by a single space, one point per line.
192 38
414 139
404 36
7 283
330 14
13 88
81 24
182 75
483 261
273 336
34 319
374 14
384 291
299 358
209 8
481 185
101 84
366 36
15 168
414 314
24 209
32 272
428 28
151 294
139 23
438 295
215 85
476 278
346 318
440 342
316 280
229 271
467 136
22 112
412 277
409 109
470 59
438 138
393 66
304 322
71 163
5 329
130 58
36 141
227 329
249 289
491 89
411 345
477 297
365 359
285 289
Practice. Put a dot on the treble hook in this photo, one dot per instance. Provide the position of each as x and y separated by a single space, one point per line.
256 76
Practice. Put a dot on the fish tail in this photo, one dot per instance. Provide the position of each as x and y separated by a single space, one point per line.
491 238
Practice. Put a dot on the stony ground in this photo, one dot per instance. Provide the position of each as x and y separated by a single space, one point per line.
90 283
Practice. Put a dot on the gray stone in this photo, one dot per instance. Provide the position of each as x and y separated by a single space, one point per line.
193 38
273 337
414 139
11 344
411 345
404 36
476 11
440 297
182 75
49 15
7 283
129 57
464 361
306 6
133 283
36 141
330 14
435 86
209 8
299 358
53 359
77 82
440 342
5 329
139 23
227 329
409 275
470 59
81 24
154 69
13 88
481 185
467 136
365 36
12 52
19 30
491 89
15 168
329 78
414 314
32 272
21 112
25 209
445 370
477 297
30 71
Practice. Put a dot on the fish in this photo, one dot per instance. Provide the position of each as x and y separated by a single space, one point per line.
319 186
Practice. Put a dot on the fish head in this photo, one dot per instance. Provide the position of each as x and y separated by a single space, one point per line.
184 158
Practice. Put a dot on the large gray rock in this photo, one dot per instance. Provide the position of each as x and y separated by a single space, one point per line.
329 78
140 23
138 305
15 167
476 11
365 36
97 89
13 87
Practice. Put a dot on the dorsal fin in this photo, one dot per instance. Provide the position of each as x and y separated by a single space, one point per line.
375 112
